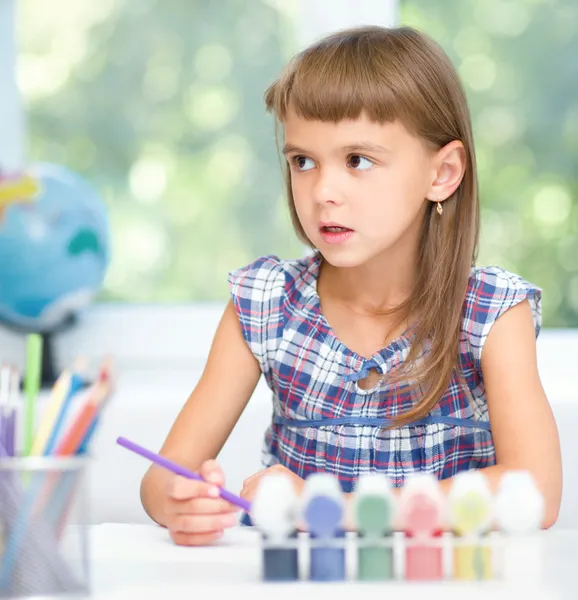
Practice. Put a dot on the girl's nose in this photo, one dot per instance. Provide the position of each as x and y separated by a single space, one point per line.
326 189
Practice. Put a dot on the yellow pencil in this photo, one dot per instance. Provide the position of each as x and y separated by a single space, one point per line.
57 397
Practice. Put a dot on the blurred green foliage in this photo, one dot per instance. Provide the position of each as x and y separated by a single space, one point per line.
160 105
518 60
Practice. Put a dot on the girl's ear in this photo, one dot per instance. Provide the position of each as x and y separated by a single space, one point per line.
449 165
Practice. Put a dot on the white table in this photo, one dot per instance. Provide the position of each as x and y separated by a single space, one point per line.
140 561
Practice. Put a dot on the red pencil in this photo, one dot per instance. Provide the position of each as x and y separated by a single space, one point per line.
76 434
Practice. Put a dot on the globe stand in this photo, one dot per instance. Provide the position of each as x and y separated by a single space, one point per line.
49 371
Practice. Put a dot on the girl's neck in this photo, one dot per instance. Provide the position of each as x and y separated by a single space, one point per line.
375 286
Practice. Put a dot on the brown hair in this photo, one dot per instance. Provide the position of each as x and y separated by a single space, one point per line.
392 74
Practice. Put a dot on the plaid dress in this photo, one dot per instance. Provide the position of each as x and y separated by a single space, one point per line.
322 420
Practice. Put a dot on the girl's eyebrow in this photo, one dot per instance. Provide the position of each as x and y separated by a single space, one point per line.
365 147
358 147
289 148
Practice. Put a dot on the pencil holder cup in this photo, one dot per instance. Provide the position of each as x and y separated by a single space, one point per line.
44 550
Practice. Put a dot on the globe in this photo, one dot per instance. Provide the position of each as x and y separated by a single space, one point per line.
54 247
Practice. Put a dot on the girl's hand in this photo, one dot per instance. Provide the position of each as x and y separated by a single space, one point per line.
251 483
195 514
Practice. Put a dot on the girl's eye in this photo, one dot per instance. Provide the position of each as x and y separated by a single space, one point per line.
302 163
359 163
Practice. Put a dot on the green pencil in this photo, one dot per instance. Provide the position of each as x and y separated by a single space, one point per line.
31 386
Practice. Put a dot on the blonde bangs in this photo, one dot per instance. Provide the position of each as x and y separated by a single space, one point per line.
336 80
388 74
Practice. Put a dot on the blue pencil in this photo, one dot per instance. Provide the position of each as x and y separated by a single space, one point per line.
76 384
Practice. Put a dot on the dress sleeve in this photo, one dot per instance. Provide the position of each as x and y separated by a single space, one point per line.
491 292
258 292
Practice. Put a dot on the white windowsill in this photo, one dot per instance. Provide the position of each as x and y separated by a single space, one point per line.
167 340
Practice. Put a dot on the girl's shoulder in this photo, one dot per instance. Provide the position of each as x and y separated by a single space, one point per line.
265 293
491 291
270 275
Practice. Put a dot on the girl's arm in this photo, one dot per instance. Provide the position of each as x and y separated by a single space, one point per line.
523 426
211 411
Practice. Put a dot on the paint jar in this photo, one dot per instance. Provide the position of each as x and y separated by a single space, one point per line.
327 557
43 522
280 559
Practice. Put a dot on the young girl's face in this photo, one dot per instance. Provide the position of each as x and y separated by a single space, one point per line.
359 187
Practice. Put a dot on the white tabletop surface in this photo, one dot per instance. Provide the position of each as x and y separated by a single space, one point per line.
130 561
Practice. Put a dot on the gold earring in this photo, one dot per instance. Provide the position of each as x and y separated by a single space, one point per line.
440 208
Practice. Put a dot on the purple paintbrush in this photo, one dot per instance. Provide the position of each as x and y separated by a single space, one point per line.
179 470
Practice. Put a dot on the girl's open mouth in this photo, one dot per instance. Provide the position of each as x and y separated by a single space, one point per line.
334 234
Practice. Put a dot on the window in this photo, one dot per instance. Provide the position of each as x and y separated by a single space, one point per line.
159 106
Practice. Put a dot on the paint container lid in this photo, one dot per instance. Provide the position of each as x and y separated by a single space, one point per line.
373 483
470 503
421 504
274 508
422 483
323 504
374 504
519 504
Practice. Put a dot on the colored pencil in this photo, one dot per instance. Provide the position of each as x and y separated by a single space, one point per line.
77 382
31 386
58 396
75 436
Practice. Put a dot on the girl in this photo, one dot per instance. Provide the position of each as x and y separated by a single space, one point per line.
386 349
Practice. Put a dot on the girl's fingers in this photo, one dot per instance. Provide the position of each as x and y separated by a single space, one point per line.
195 539
248 491
212 472
201 506
181 488
201 523
253 478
